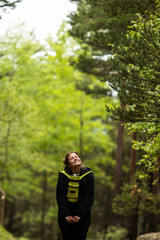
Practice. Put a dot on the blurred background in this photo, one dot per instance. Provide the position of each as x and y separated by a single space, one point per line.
79 76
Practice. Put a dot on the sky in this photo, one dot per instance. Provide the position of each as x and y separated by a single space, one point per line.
42 16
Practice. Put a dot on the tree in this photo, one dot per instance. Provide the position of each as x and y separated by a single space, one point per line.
137 82
137 63
97 24
8 4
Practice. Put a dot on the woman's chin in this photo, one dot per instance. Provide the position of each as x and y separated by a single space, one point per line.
77 164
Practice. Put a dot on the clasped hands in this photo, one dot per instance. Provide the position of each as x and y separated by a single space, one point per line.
71 219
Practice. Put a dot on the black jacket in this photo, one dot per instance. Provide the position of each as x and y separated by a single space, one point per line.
85 199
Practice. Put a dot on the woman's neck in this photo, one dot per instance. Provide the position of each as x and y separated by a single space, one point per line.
76 169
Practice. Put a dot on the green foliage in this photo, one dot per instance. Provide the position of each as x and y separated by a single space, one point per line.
127 203
137 64
130 63
43 116
114 232
4 235
137 83
149 146
133 71
136 199
96 24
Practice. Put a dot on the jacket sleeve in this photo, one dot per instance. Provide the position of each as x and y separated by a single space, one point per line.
61 195
88 196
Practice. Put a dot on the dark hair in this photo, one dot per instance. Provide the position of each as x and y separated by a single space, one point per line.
65 160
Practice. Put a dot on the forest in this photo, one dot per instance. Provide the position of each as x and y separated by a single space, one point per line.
94 90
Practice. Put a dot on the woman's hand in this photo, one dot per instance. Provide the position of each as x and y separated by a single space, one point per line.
69 219
76 219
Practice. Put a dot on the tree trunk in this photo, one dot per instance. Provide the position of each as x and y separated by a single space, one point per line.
118 168
81 127
133 226
134 219
119 159
11 213
155 188
43 205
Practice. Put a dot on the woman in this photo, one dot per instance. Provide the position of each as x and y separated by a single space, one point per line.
74 215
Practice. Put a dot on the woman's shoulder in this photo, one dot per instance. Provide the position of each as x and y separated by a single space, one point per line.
85 170
66 170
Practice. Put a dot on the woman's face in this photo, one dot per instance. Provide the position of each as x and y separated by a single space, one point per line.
74 160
